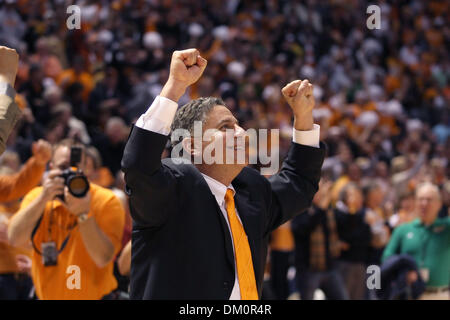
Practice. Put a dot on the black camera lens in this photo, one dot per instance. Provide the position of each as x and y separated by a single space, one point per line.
78 185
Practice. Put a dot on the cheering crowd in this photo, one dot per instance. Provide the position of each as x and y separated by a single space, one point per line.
381 101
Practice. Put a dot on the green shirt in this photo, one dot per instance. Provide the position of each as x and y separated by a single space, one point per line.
429 246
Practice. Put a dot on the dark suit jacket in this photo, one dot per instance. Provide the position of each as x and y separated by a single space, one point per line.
181 245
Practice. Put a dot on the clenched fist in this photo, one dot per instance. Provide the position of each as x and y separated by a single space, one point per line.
42 151
299 96
186 68
9 62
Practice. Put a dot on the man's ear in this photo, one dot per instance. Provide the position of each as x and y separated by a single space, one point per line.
189 146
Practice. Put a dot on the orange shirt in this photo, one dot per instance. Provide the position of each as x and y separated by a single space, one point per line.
8 253
282 238
51 282
340 183
12 187
68 77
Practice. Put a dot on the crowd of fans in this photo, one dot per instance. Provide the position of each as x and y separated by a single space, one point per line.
382 95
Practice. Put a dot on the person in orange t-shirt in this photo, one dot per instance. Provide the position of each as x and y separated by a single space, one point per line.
14 282
87 233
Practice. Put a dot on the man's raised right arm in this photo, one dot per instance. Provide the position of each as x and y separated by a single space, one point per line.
148 184
144 148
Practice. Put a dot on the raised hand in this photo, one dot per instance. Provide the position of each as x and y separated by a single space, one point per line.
9 62
186 68
42 151
322 198
299 95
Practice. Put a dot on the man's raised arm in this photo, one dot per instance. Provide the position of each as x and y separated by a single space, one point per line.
9 111
149 185
186 68
300 174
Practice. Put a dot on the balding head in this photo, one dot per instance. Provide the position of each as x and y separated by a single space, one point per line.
428 198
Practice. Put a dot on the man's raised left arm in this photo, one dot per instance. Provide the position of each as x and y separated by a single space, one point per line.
294 187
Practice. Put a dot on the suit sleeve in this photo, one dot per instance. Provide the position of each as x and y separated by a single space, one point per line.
9 114
294 187
149 185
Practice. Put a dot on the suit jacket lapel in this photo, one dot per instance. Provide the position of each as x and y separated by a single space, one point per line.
226 235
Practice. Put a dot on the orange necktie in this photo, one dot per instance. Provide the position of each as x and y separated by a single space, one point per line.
243 255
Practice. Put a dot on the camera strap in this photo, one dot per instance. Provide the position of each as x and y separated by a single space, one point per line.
63 245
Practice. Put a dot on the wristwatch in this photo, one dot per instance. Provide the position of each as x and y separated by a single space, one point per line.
82 217
6 89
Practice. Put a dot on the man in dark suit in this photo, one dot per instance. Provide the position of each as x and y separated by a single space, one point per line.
200 231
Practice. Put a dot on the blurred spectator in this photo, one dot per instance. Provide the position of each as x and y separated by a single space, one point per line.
94 169
12 26
317 248
33 90
124 260
15 283
14 186
376 218
281 254
406 210
77 74
356 237
86 232
112 143
426 239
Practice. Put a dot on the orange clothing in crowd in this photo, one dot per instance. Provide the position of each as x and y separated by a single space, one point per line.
282 238
12 187
51 281
338 186
104 177
8 253
51 66
69 77
17 185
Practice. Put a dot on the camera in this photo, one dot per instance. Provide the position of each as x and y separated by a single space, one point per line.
74 179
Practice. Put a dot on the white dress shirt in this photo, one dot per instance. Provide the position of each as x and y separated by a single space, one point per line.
159 117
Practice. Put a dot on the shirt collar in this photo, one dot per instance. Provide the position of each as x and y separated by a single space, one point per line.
418 223
218 189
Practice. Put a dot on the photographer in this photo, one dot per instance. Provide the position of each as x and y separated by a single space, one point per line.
75 238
